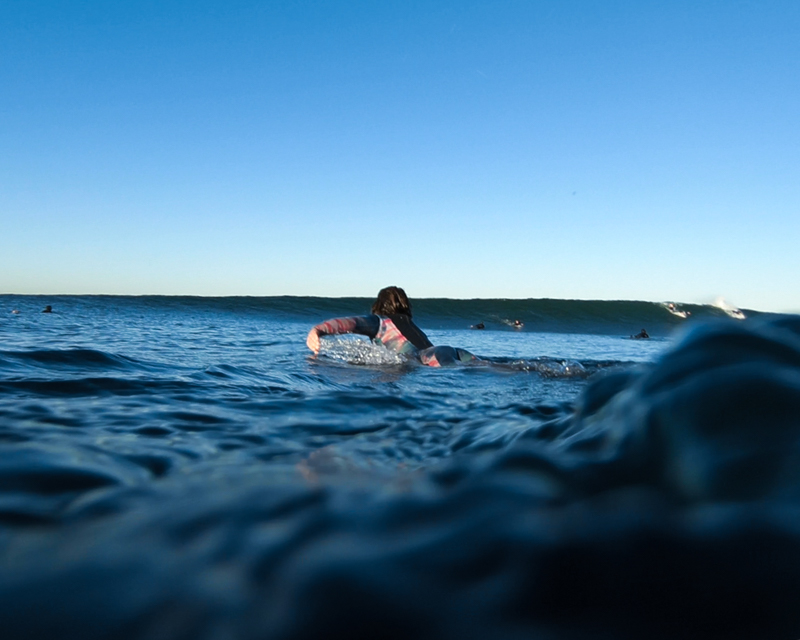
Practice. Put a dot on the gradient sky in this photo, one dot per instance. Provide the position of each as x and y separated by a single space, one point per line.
565 149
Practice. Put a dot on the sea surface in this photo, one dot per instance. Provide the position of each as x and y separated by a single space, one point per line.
183 467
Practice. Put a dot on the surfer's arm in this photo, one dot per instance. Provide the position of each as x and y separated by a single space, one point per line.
363 325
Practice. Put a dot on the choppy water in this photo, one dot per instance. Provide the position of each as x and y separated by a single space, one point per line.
184 468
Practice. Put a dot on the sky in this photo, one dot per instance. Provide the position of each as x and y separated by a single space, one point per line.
514 149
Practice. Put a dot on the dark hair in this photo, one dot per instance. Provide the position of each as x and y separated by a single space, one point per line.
391 301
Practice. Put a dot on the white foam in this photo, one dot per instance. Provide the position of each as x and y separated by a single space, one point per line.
355 350
732 311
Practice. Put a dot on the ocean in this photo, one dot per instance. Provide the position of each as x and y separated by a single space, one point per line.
184 467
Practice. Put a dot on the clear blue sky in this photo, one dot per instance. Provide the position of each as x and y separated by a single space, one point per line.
566 149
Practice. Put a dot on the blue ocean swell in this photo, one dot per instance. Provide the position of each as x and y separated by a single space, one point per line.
189 470
622 318
173 387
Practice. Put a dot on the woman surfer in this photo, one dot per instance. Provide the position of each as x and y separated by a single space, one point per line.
390 325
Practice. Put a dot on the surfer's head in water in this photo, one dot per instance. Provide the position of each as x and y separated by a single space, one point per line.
392 301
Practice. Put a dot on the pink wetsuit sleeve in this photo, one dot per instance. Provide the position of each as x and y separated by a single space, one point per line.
367 326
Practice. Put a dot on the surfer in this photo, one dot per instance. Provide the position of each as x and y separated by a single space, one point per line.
47 309
675 311
518 324
390 324
641 335
480 325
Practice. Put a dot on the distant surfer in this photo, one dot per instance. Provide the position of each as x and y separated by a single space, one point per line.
730 310
47 309
642 335
518 324
675 311
390 325
15 311
480 325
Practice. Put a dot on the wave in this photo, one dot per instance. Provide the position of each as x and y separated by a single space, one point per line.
93 387
617 317
602 317
84 358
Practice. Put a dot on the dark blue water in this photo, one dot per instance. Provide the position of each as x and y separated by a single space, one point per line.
184 468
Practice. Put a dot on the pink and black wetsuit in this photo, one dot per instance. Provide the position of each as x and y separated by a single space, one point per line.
397 333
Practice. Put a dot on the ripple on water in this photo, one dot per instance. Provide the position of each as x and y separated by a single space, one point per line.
660 501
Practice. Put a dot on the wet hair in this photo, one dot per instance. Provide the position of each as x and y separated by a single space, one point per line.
391 301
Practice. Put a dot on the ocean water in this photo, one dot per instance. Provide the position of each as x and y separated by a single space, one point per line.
177 467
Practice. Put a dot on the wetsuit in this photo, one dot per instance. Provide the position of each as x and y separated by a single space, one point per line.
397 333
